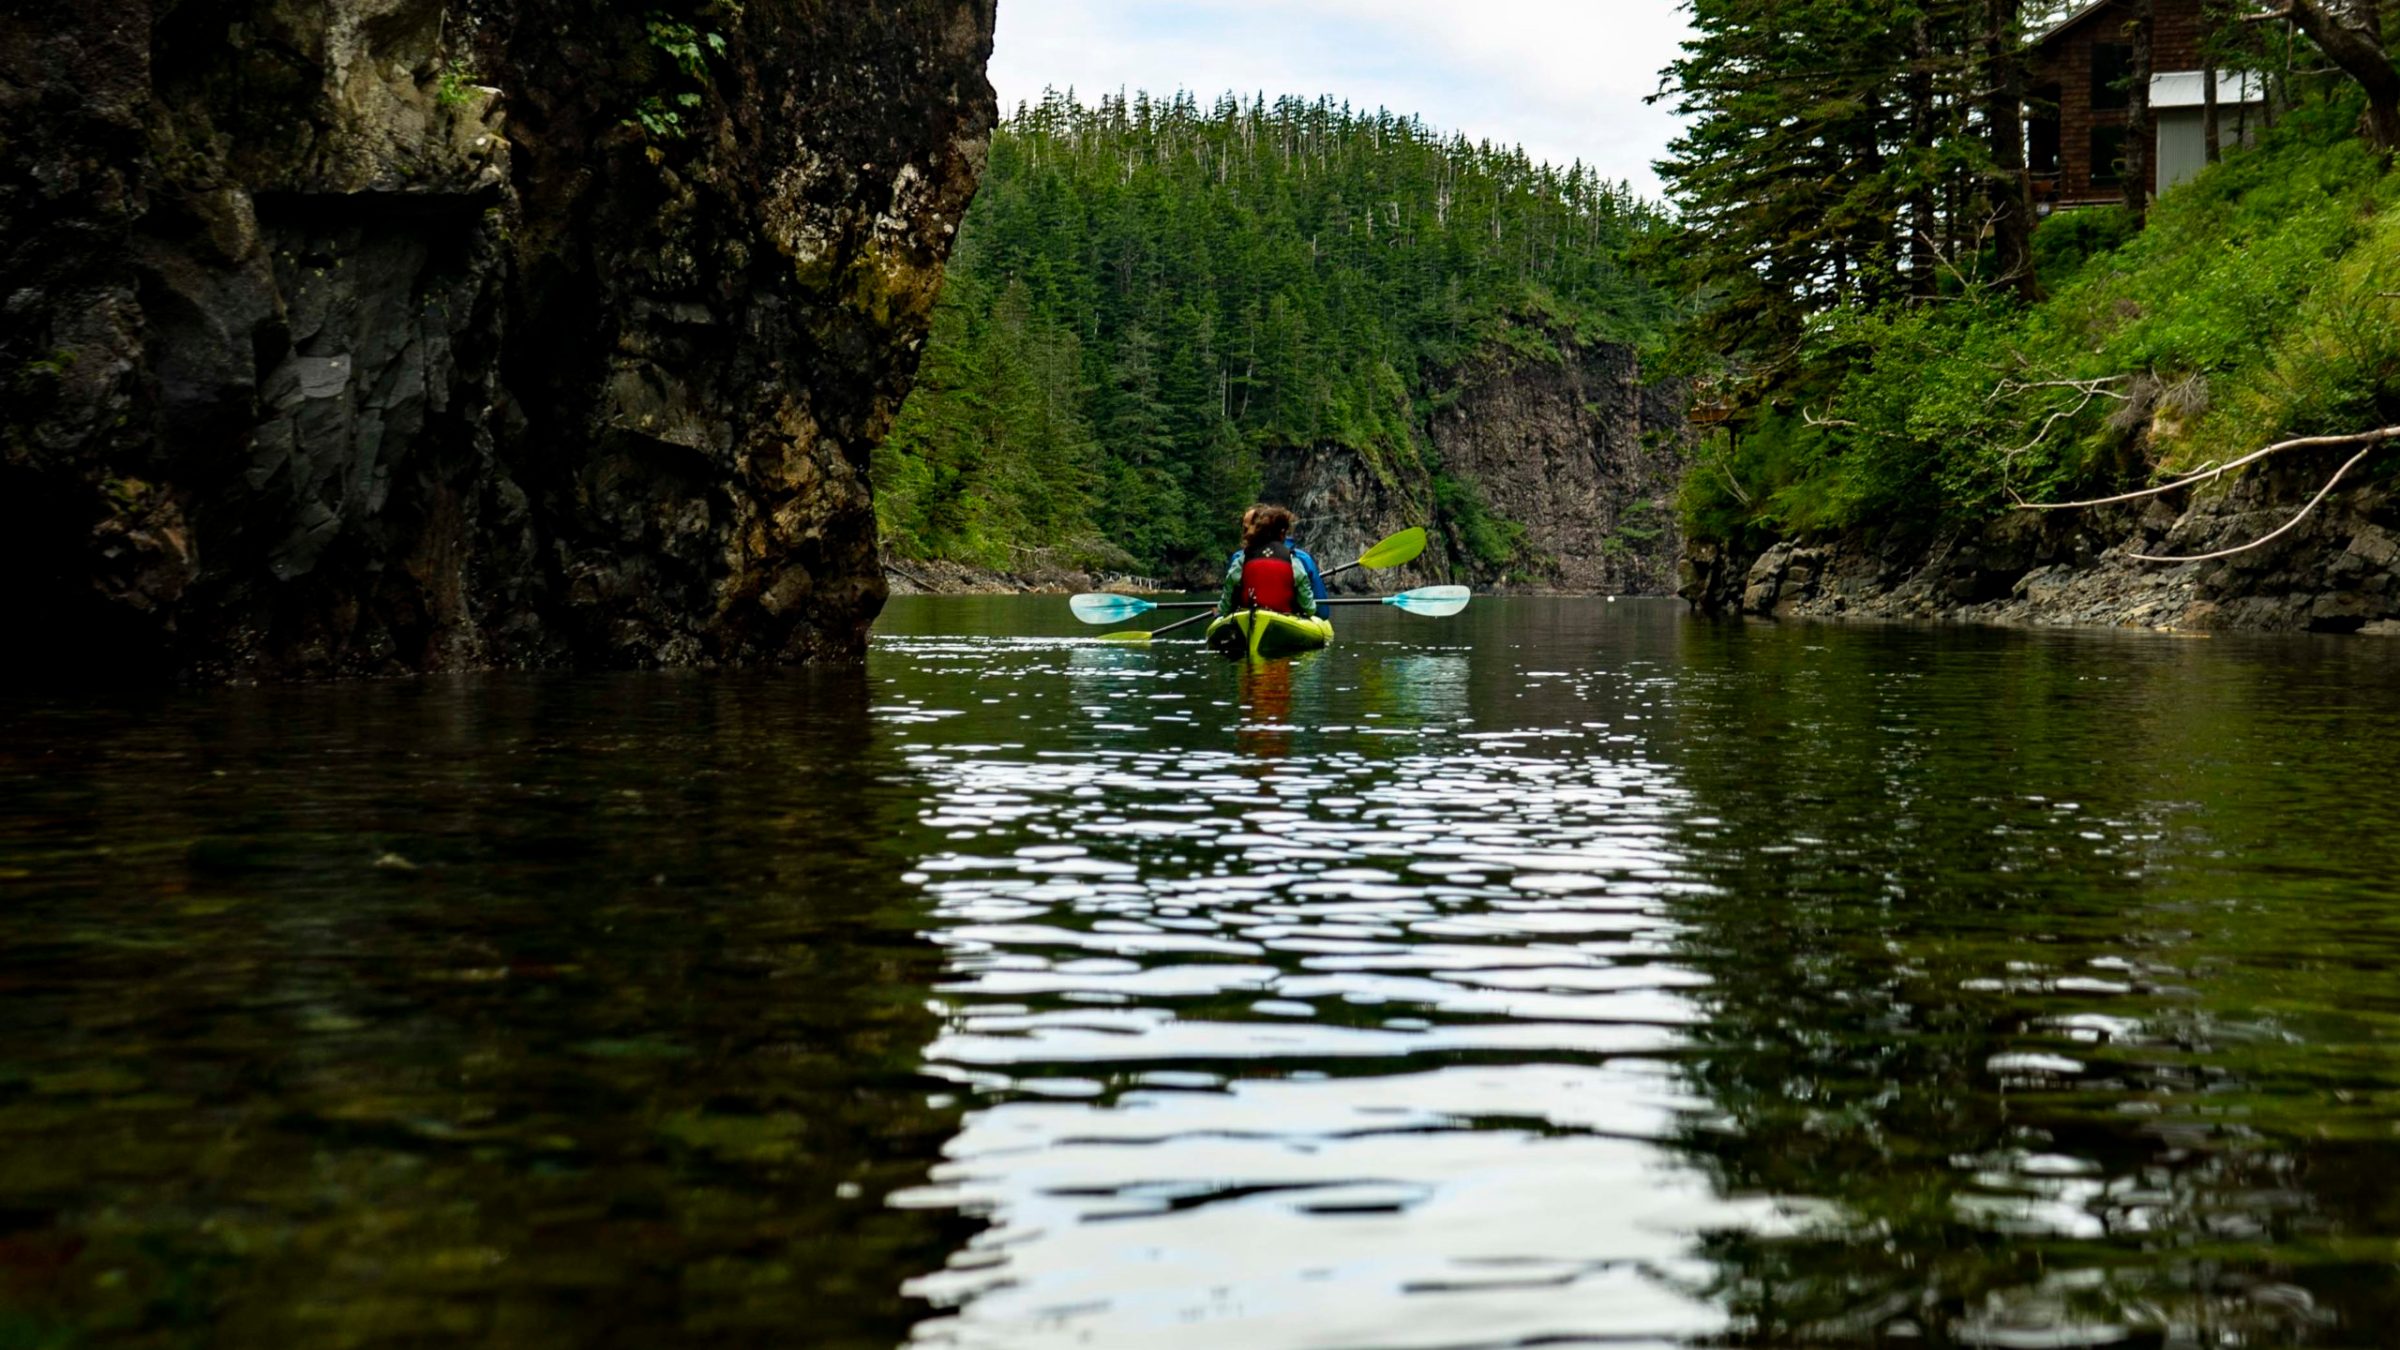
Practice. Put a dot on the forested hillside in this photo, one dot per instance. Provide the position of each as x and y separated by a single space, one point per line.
1149 294
1892 341
2259 303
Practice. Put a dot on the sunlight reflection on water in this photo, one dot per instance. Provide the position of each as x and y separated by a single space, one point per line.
1347 1034
1560 970
1580 971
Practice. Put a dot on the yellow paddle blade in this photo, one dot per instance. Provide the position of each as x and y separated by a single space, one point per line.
1129 635
1400 548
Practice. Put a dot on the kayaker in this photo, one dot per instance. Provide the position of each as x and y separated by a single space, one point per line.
1269 573
1316 574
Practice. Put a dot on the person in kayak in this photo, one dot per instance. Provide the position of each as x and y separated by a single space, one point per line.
1269 573
1308 564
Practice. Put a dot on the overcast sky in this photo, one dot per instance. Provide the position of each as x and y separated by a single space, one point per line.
1563 78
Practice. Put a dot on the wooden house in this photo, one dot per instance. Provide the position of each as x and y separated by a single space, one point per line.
2079 104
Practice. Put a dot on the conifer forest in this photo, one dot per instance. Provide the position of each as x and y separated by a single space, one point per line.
1149 291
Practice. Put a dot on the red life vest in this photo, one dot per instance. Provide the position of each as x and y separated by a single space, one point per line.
1267 579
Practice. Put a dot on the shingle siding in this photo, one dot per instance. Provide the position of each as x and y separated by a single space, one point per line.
2062 62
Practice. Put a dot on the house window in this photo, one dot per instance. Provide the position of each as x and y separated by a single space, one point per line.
2041 146
2108 156
2112 75
2041 131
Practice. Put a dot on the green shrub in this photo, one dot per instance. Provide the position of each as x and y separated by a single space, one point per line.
1489 539
2069 239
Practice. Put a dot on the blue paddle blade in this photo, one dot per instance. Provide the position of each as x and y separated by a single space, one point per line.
1434 602
1093 608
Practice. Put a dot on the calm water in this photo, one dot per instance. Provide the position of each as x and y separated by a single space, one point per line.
1565 970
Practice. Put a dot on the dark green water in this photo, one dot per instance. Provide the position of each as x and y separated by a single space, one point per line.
1566 970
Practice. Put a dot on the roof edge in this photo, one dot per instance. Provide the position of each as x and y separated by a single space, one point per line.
2060 28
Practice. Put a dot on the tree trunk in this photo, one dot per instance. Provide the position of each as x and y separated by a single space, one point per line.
2141 138
2004 117
2208 109
1924 275
2358 49
1874 232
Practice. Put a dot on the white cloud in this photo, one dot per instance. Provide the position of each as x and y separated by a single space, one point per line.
1564 78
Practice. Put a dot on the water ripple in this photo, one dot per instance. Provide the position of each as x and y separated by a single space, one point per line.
1273 1017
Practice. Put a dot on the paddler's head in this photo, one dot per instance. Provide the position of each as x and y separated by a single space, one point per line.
1263 525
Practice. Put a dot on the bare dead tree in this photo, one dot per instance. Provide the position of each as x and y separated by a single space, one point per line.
1966 244
2008 388
2367 441
2270 536
2081 394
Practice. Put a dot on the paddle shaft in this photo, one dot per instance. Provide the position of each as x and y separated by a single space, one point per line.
1211 606
1210 613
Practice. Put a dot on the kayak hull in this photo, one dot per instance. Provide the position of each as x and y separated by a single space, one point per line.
1264 635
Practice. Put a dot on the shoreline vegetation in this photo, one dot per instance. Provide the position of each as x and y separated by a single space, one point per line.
1894 360
2257 305
1903 385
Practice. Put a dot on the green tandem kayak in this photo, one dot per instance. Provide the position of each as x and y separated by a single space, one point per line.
1263 634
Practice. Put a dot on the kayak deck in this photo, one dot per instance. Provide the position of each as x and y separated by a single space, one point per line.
1264 634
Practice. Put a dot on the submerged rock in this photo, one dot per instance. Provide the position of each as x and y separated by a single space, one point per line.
369 336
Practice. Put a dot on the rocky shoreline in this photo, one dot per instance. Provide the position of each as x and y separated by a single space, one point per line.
2338 571
916 577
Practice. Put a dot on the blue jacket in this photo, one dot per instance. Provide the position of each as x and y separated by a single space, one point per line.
1316 575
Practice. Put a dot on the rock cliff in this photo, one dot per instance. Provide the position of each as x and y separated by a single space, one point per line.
368 336
2338 571
1542 475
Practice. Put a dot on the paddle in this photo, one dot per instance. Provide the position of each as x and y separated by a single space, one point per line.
1096 608
1392 552
1099 607
1433 602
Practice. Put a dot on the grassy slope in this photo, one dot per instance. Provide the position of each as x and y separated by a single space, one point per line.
2262 302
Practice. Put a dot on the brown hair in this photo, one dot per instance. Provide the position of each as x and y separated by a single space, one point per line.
1263 525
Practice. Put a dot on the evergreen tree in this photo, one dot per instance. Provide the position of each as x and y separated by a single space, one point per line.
1846 154
1167 290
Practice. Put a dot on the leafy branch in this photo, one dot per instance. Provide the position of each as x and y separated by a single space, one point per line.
688 47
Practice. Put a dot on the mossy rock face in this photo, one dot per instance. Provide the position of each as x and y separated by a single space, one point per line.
1532 475
426 351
